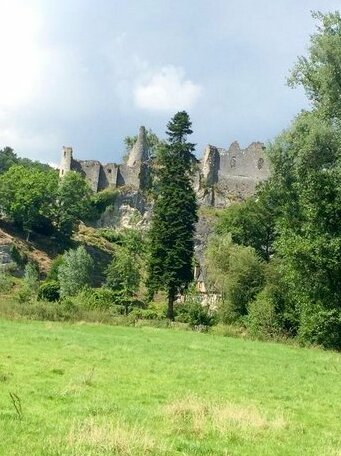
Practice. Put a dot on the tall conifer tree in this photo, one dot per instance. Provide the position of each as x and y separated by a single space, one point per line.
175 214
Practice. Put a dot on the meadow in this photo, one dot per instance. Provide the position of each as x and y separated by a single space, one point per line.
90 389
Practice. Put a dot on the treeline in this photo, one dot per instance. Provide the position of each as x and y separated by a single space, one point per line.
276 258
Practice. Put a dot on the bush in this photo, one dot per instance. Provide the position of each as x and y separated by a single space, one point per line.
6 282
53 272
96 298
321 327
227 313
19 257
262 320
49 290
75 271
236 273
193 312
111 235
31 277
101 200
145 314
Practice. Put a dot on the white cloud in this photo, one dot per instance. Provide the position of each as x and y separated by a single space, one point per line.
19 53
21 139
167 90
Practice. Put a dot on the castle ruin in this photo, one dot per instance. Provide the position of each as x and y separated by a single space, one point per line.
223 175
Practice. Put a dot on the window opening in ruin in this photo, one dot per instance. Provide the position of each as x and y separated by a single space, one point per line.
260 163
233 162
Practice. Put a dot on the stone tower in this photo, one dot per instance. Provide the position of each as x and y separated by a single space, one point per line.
210 165
139 151
66 161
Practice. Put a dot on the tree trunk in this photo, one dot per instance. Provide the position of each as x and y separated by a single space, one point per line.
170 309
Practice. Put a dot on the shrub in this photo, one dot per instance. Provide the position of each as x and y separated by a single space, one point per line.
96 298
6 282
193 312
262 320
75 271
321 326
49 290
53 272
31 277
19 257
145 314
101 200
236 273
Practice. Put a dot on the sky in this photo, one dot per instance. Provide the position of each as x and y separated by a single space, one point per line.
86 73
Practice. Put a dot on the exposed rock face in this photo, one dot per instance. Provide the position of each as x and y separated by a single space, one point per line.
129 211
6 259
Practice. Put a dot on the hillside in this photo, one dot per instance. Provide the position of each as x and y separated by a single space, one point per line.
99 390
41 249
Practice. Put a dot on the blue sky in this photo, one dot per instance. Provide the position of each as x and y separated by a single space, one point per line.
86 73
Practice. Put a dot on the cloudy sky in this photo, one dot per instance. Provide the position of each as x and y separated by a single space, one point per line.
87 73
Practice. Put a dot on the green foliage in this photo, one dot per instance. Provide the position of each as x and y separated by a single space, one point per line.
236 273
73 202
101 200
18 256
31 277
53 271
193 312
307 172
27 196
321 326
102 298
263 319
75 272
49 290
252 223
123 276
319 72
170 266
153 142
6 281
306 165
9 158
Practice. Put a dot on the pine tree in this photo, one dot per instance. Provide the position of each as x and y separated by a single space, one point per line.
172 230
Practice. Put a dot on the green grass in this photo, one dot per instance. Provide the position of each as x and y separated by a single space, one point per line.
101 390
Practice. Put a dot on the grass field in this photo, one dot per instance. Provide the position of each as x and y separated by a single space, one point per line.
99 390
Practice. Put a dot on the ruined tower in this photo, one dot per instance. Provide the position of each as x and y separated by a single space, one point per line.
210 165
135 172
66 161
139 151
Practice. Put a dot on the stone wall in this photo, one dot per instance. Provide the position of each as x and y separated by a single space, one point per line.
223 175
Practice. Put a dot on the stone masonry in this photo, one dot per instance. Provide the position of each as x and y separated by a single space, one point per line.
223 175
